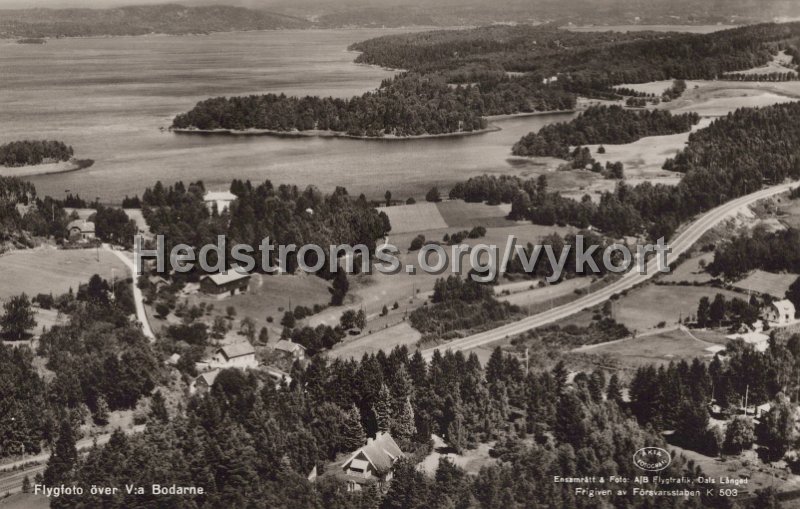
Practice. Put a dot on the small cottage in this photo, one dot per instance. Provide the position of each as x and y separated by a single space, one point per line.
80 229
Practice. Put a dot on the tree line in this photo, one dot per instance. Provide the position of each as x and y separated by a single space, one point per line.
30 152
602 124
250 444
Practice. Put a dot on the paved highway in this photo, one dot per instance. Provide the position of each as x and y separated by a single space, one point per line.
680 245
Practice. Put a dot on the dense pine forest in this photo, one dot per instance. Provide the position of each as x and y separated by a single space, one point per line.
602 124
252 445
29 152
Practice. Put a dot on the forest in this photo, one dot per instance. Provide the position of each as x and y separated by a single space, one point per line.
602 124
284 214
409 104
31 152
99 361
588 60
251 445
760 249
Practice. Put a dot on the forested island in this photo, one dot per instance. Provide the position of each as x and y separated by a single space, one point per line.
32 152
602 124
456 78
410 104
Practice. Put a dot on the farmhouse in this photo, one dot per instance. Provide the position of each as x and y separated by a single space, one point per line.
294 351
779 313
238 355
223 285
80 229
222 200
372 463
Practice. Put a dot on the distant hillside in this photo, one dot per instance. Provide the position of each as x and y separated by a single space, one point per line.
139 20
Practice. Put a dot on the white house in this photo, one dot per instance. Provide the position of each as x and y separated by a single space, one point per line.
222 199
80 230
238 355
780 312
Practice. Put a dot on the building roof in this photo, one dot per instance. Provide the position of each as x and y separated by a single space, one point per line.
237 350
219 196
81 224
288 346
784 307
209 377
381 453
222 279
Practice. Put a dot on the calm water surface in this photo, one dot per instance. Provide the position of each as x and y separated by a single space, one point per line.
109 97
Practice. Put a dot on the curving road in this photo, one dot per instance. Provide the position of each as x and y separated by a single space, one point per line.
680 245
138 298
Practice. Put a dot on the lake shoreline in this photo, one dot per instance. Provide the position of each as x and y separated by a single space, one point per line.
315 133
43 169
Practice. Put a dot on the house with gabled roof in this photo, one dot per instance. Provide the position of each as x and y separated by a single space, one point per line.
221 285
779 313
237 355
80 229
203 383
372 463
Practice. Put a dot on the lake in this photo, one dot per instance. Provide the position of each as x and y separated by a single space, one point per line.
109 97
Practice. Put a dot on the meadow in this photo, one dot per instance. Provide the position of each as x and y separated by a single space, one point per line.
47 269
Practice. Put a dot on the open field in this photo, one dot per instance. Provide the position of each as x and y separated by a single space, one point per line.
643 159
643 308
414 218
718 98
270 296
690 270
545 293
46 269
460 214
662 347
384 339
767 283
653 87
